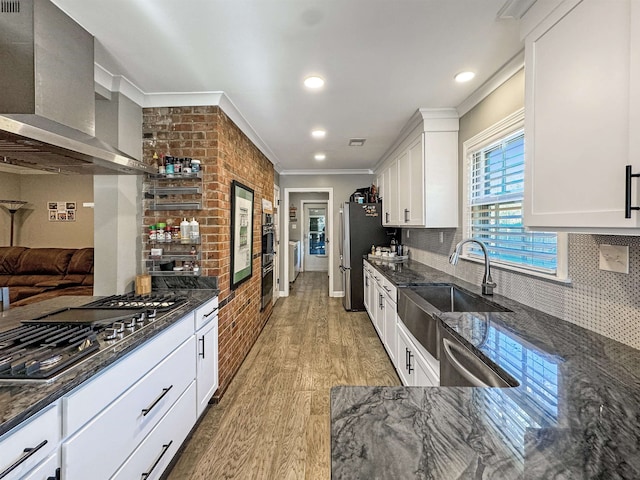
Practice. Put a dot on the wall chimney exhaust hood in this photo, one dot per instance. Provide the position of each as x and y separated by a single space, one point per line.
47 95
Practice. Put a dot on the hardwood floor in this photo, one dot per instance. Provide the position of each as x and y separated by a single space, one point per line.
273 421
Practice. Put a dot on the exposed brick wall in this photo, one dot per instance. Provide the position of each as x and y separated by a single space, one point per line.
206 133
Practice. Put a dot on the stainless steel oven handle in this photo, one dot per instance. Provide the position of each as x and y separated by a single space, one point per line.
165 448
26 453
450 349
145 411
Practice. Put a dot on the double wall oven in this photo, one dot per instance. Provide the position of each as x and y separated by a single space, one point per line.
268 253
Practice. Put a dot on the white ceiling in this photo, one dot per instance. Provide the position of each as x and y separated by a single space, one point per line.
381 59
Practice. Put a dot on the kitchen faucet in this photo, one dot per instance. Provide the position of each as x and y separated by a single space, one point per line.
487 282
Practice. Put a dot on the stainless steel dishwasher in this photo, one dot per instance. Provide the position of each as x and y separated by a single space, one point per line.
460 367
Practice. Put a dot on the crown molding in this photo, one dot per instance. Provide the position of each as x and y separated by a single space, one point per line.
366 171
505 72
117 84
425 120
107 82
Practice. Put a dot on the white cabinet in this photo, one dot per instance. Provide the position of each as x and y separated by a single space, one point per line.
389 326
120 428
25 447
412 366
152 457
47 470
582 115
390 194
207 364
420 174
368 287
378 317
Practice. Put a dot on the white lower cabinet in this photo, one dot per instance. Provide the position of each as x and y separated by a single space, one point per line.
124 424
25 447
412 365
128 421
149 460
206 364
45 470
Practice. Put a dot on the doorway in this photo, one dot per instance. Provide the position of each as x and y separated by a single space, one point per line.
292 214
314 225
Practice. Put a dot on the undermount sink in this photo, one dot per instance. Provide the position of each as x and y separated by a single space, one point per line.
449 298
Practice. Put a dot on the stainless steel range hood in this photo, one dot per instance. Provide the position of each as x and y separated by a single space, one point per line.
47 94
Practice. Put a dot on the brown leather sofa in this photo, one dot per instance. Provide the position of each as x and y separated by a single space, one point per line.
35 274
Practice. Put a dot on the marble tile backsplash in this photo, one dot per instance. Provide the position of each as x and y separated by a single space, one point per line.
604 302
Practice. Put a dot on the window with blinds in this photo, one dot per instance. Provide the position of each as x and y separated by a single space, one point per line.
496 190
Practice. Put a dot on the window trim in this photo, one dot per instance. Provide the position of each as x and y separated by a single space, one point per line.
494 133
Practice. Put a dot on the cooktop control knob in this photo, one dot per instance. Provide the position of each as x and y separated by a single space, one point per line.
111 333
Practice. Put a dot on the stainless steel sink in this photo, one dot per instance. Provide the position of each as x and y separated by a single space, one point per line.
417 305
449 298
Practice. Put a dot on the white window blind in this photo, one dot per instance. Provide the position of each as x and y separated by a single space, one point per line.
496 190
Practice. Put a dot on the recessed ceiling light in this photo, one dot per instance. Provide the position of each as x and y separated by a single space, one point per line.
313 82
318 133
464 77
319 156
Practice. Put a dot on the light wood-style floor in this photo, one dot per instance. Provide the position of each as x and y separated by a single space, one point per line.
273 421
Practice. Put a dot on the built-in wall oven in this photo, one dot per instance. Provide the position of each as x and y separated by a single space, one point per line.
268 253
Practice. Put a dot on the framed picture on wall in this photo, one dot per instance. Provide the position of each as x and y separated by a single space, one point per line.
241 233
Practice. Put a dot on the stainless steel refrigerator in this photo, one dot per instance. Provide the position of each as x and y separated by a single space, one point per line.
360 227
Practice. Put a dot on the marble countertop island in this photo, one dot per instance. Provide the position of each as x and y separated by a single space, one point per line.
575 415
20 400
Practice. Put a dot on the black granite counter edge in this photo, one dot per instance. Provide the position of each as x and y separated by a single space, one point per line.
50 392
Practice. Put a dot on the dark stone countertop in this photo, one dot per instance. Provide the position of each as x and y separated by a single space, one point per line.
20 401
575 415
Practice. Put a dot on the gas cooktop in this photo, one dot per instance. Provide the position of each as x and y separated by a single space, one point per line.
42 348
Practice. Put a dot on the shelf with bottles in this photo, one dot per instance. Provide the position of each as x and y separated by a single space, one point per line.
176 241
162 262
180 190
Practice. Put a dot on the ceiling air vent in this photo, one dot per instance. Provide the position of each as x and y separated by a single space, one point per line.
9 6
357 142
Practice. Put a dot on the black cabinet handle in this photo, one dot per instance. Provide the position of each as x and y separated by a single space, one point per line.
409 367
56 476
406 358
627 192
145 411
406 215
380 302
165 448
202 340
207 315
26 453
386 217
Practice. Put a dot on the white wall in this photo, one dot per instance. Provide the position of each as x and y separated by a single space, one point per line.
343 186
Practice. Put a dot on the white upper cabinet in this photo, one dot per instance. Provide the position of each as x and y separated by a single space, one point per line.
390 200
582 117
420 172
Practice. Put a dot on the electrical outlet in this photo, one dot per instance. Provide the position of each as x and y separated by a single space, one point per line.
614 258
408 233
441 237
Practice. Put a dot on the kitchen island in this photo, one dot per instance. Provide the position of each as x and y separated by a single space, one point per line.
574 414
89 404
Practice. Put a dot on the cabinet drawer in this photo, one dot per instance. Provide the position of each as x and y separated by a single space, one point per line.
46 470
206 312
390 290
83 403
154 454
101 446
40 433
